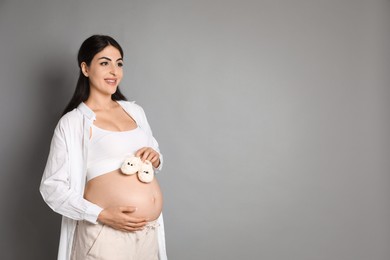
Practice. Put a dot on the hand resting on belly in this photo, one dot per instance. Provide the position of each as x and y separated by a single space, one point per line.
128 203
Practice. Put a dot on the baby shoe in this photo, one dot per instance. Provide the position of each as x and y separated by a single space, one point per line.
131 165
146 172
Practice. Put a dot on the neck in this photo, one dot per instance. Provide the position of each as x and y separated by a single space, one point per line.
100 102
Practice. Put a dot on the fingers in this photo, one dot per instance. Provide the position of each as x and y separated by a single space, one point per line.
140 152
134 224
129 219
131 229
147 153
121 218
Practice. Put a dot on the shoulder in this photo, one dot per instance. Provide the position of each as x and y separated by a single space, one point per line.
136 111
70 119
132 108
129 104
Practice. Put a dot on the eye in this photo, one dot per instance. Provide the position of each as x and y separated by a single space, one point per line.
104 63
120 64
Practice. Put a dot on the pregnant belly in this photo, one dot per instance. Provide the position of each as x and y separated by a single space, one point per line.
114 189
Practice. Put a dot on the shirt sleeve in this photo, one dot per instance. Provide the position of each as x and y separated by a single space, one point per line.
55 185
152 141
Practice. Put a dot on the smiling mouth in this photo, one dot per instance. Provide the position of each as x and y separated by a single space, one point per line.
111 81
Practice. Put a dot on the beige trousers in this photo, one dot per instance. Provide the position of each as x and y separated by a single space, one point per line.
101 242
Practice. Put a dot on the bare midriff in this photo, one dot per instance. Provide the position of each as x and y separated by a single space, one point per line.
115 189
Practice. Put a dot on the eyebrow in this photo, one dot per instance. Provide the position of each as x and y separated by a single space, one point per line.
109 59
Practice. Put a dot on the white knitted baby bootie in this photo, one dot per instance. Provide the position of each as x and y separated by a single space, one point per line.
131 165
146 173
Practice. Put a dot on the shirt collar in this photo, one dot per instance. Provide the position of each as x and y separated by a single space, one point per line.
85 110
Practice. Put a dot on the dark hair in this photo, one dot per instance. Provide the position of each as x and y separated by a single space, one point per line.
89 48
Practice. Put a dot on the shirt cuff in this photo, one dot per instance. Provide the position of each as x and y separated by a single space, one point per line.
158 169
92 213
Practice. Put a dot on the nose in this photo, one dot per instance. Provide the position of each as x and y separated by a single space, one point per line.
113 70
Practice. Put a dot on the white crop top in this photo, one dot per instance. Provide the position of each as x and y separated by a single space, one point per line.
108 149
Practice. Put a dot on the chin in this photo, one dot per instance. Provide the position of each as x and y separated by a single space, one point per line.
113 90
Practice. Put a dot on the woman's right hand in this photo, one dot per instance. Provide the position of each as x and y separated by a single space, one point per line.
120 218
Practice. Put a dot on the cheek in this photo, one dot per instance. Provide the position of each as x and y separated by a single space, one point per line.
120 75
95 74
93 78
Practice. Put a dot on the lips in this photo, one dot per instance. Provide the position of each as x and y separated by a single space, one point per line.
111 81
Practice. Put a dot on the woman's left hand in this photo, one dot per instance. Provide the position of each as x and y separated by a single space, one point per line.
147 153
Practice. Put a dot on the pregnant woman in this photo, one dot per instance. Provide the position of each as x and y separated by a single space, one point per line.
107 215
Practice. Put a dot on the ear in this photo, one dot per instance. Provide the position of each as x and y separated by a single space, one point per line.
84 68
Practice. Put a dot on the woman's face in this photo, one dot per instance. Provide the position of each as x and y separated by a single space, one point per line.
105 71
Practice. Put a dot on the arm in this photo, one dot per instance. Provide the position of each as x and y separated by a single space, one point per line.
153 155
55 185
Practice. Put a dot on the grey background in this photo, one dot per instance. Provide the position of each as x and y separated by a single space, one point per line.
273 117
